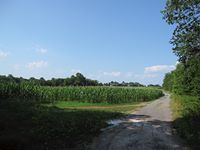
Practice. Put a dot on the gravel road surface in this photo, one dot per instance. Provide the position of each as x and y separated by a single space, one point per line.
146 129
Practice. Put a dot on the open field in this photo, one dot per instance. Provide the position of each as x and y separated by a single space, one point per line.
111 95
72 116
62 125
95 75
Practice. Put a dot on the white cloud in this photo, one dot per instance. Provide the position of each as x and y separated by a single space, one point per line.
144 76
159 68
150 75
129 74
42 50
114 74
37 64
3 54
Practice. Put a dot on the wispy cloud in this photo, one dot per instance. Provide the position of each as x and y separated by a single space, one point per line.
113 74
123 75
150 75
159 68
144 76
129 74
37 64
3 54
42 50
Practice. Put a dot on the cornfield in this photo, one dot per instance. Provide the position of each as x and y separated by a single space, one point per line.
112 95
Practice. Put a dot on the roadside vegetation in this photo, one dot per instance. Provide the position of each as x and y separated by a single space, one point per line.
121 108
62 117
184 81
187 115
31 126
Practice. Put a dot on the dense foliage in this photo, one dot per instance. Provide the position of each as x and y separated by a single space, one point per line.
185 80
83 94
132 84
74 80
26 126
186 109
185 14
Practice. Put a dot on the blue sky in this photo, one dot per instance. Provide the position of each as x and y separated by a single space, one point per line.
103 39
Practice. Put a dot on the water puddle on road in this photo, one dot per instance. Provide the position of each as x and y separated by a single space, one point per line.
137 122
115 122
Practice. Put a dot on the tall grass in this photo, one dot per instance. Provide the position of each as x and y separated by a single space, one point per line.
112 95
187 117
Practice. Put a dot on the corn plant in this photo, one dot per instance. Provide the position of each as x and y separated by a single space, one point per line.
113 95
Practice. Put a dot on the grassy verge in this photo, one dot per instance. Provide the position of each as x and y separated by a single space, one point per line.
121 108
25 125
187 118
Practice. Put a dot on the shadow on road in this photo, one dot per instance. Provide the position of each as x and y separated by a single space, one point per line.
138 132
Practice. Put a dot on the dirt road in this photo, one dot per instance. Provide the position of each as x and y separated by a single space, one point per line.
147 129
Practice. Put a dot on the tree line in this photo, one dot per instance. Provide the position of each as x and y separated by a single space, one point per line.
185 15
75 80
184 81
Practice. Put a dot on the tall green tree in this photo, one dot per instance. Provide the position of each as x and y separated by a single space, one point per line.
168 81
185 15
80 80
